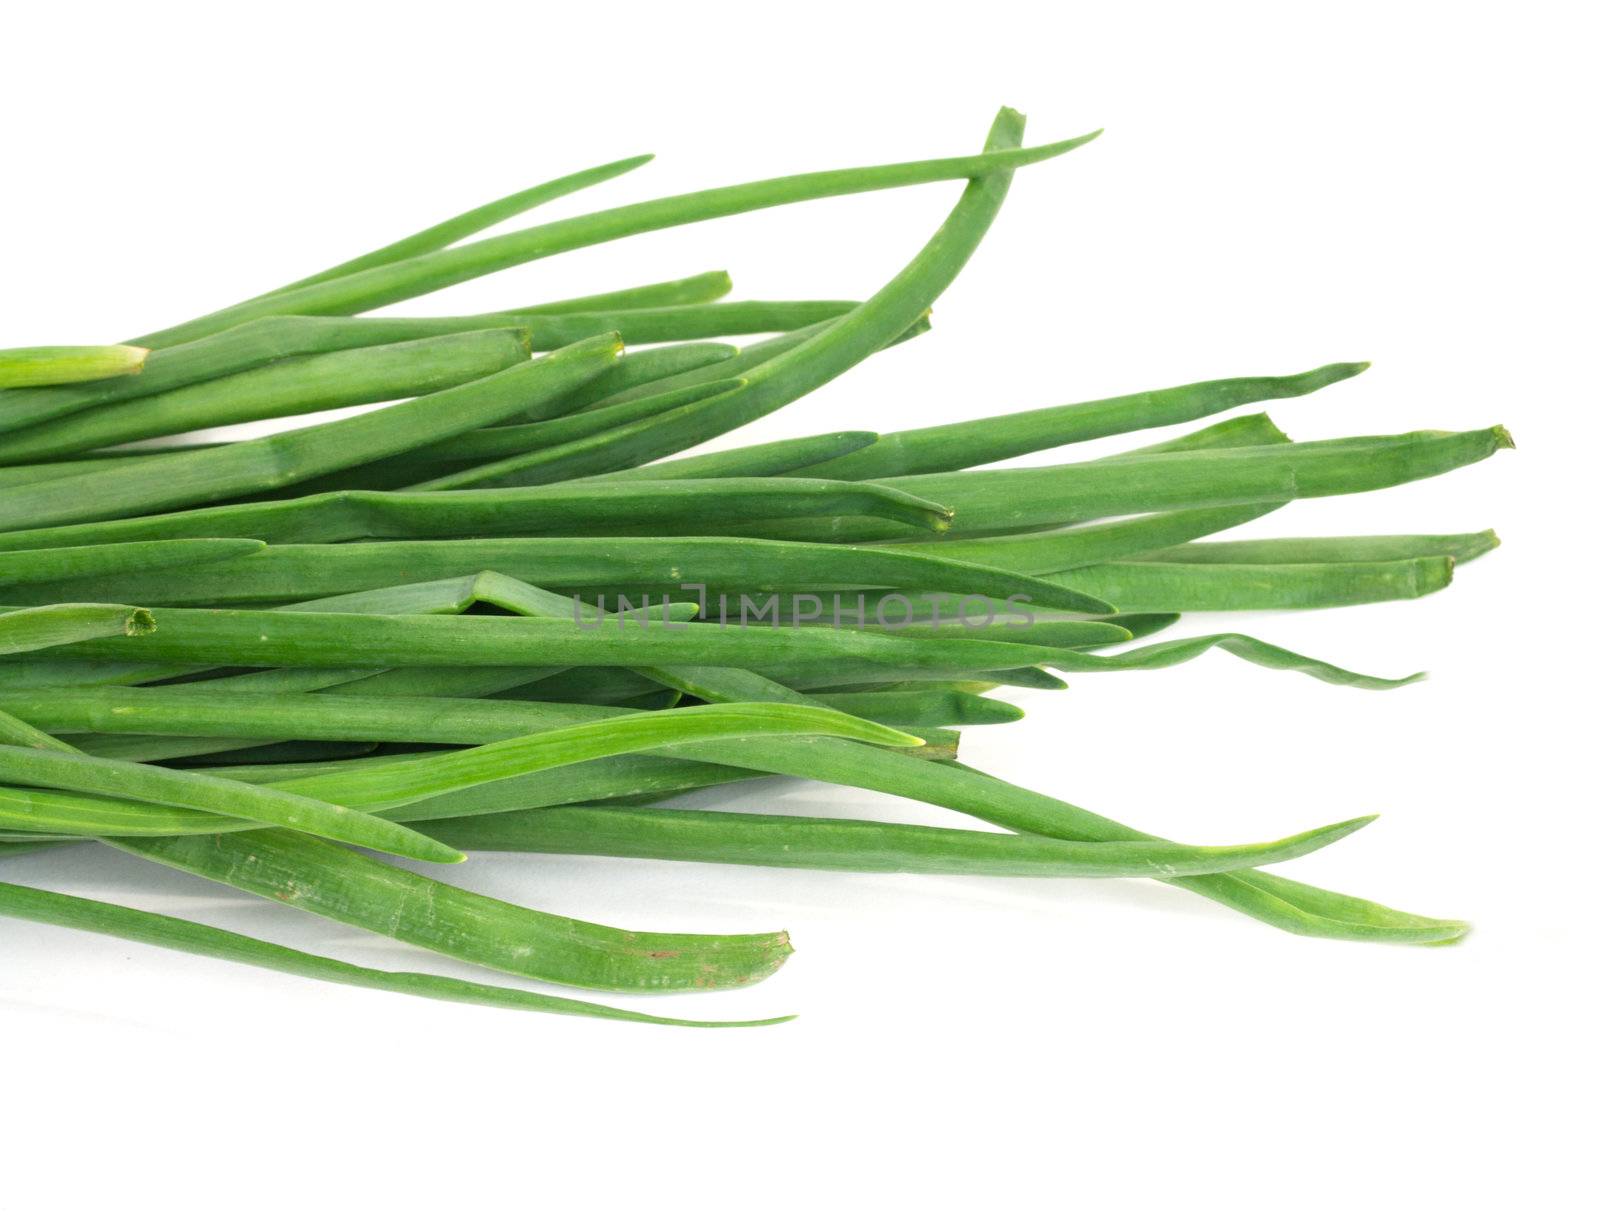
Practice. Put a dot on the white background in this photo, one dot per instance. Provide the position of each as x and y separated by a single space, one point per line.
1279 187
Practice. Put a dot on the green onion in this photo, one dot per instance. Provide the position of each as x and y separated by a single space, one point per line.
579 508
326 381
443 235
68 911
301 571
647 368
332 882
261 638
784 841
933 707
427 272
1049 552
195 791
696 289
892 310
283 459
234 350
1141 586
1013 499
986 440
27 366
1319 550
416 630
58 624
103 560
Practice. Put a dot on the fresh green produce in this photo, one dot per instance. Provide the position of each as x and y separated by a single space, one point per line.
493 614
59 624
324 381
31 366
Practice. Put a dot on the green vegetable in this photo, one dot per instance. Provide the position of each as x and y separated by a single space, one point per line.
332 882
797 842
985 440
299 571
426 272
601 508
1013 499
58 624
283 459
292 386
696 289
1142 586
68 911
933 707
459 227
102 560
199 636
27 366
1319 550
892 310
415 630
197 791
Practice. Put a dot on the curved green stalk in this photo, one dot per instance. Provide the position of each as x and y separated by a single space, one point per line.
76 773
1171 653
1147 586
397 281
934 449
345 886
891 311
459 227
186 936
852 845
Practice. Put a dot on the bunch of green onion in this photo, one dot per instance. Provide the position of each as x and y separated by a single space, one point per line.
418 631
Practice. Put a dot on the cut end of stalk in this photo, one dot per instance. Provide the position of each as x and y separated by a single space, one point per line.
136 356
1271 431
888 736
140 622
1478 544
1431 574
1502 438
